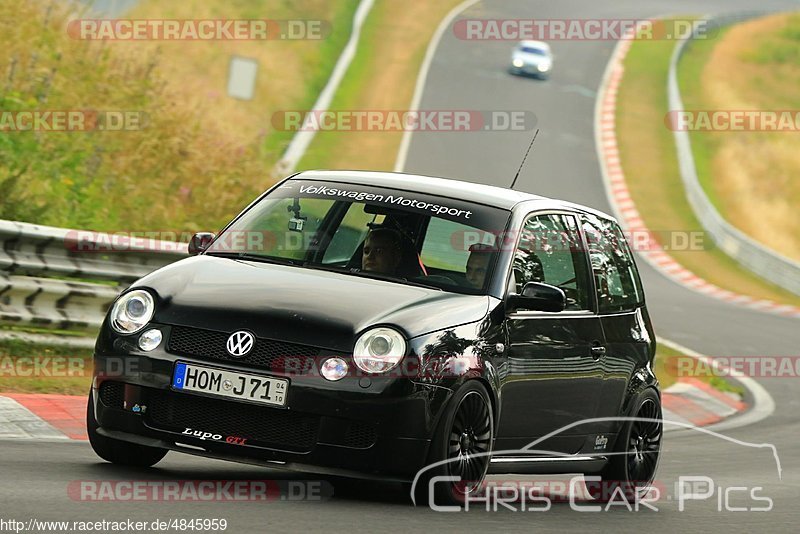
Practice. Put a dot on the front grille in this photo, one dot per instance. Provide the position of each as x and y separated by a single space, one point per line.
360 436
268 427
112 394
267 353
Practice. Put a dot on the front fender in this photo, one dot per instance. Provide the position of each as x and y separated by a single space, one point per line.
451 357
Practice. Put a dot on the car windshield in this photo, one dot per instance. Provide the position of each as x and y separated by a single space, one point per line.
532 50
399 236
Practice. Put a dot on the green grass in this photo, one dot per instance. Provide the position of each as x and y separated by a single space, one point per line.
666 370
662 367
749 176
382 76
724 386
202 155
24 368
781 48
37 330
277 140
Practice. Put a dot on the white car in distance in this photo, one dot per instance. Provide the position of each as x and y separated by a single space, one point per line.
532 58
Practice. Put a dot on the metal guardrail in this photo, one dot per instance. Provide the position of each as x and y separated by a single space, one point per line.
751 254
31 249
51 278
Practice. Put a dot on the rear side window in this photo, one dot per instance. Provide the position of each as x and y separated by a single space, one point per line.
616 278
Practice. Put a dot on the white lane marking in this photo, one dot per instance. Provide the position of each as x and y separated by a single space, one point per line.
422 77
302 139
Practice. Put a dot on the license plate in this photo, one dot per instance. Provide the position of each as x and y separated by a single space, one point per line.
230 384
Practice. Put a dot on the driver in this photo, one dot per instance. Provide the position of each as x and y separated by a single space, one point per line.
383 250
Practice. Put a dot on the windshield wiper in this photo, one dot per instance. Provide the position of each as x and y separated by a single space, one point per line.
256 257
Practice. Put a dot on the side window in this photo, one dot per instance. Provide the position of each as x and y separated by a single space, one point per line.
615 275
549 251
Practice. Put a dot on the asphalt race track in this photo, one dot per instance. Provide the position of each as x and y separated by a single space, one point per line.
472 75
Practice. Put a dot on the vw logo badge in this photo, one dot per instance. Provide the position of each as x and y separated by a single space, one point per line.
240 343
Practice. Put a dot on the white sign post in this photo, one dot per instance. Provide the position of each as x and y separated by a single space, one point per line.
242 77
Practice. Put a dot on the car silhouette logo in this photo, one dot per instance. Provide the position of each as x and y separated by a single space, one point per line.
240 343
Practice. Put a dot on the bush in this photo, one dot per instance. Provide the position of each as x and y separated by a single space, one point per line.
176 173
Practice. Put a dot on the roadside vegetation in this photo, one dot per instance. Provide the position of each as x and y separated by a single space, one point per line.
751 177
26 368
668 369
647 152
200 155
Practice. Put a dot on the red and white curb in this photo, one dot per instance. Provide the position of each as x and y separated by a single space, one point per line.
696 403
34 416
624 207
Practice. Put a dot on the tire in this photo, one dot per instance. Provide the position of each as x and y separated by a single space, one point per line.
634 461
116 451
464 437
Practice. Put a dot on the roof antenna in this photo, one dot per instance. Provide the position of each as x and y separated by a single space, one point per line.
524 158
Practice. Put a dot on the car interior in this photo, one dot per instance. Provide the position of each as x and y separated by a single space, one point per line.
414 229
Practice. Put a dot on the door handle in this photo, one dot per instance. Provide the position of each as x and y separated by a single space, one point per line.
598 351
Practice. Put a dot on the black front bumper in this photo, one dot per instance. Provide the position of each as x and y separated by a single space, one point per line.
378 428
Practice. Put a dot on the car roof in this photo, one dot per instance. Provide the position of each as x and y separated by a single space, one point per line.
488 195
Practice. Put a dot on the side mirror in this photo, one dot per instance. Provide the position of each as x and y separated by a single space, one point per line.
200 242
537 296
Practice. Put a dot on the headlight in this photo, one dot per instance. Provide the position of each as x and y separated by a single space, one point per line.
517 62
132 312
544 67
379 350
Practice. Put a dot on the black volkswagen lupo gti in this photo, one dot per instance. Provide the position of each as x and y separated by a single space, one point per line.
374 324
